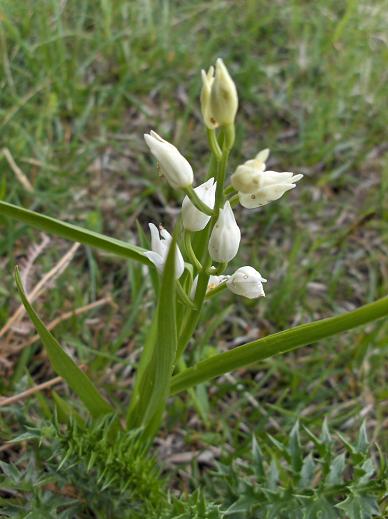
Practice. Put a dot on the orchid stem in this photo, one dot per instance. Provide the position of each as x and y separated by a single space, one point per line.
197 201
190 251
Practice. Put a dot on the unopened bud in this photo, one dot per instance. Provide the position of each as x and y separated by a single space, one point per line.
219 101
247 282
172 163
225 237
193 218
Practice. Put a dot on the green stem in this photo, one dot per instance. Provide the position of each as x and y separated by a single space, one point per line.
183 297
234 200
213 143
221 181
190 251
229 190
220 288
197 201
192 319
276 343
217 271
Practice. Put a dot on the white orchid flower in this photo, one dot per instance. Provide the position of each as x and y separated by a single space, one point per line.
160 243
246 178
272 186
225 237
172 163
247 282
193 218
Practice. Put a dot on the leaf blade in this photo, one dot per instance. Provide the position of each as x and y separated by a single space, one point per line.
73 232
277 343
64 365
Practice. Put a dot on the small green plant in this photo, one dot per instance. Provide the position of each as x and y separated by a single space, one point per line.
186 269
288 479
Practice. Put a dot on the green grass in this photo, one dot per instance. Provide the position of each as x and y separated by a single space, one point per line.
81 82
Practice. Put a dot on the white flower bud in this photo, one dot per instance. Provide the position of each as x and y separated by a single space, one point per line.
219 101
193 218
160 244
207 82
223 96
247 282
272 186
225 237
172 163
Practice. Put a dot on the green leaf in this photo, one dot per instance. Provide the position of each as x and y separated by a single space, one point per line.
307 472
325 436
65 411
294 446
362 441
73 232
276 343
359 507
337 468
161 365
64 365
257 457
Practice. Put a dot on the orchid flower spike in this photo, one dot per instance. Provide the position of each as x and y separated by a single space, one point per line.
172 163
160 243
219 101
193 218
247 282
225 237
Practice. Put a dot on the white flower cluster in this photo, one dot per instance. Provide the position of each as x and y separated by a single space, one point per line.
255 186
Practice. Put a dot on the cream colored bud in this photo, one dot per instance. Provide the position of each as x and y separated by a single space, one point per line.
247 282
219 101
207 83
172 163
193 219
223 96
225 237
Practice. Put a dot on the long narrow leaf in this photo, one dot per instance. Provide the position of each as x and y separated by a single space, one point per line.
64 365
166 344
277 343
73 232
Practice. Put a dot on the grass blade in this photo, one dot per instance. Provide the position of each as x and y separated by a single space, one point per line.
64 365
277 343
73 232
